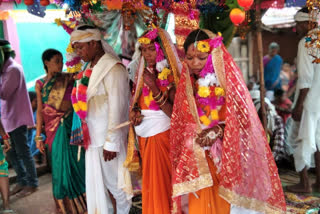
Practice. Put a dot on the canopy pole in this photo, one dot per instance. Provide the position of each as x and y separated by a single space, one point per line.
261 67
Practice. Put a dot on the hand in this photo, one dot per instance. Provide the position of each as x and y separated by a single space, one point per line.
297 113
40 146
135 117
204 140
150 80
108 156
7 145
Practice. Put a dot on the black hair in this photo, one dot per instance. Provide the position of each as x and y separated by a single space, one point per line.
278 93
85 27
196 35
4 42
32 95
48 54
304 10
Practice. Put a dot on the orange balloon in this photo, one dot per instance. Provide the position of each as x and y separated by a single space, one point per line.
237 16
246 4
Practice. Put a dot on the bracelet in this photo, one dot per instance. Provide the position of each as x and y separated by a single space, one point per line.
220 131
156 97
38 138
161 98
6 137
164 101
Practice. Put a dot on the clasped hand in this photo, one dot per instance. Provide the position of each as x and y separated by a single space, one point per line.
203 138
136 117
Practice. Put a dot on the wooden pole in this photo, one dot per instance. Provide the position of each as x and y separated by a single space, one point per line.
261 67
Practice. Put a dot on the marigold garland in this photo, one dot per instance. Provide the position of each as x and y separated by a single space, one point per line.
79 97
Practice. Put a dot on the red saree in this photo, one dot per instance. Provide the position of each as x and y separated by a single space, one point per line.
248 177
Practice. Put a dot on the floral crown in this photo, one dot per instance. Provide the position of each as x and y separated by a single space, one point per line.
148 37
206 46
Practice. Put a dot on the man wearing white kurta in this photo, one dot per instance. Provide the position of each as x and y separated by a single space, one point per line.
304 134
107 103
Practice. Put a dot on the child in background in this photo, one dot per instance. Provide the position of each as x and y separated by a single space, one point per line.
283 104
32 130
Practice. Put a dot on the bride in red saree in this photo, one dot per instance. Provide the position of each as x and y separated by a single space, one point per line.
219 151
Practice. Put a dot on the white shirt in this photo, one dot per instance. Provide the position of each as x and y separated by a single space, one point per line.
308 77
108 108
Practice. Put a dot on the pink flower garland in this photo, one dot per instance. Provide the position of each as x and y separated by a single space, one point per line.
208 68
73 62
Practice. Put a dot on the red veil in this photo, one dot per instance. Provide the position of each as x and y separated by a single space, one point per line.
248 173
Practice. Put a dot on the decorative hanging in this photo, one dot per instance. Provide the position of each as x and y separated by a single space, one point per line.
313 37
245 26
186 20
36 9
237 16
44 2
28 2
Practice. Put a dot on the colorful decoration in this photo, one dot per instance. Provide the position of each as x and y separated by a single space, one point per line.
74 63
164 74
237 16
29 2
186 20
246 4
313 45
44 2
209 96
79 99
36 9
113 4
4 14
208 45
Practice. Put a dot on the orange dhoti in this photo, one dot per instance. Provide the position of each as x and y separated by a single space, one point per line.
209 200
156 174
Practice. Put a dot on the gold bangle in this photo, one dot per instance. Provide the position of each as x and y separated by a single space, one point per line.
156 97
161 98
38 138
164 102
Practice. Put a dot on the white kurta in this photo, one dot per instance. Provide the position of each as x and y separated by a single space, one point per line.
108 106
304 136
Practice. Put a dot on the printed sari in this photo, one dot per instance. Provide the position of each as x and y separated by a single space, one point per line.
68 174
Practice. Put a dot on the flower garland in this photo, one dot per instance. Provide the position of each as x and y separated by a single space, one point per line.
74 63
164 73
162 68
209 97
79 97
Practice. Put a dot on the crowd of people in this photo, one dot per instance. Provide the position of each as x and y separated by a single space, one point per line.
189 127
291 100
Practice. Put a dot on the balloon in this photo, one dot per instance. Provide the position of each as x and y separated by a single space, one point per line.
246 4
237 16
28 2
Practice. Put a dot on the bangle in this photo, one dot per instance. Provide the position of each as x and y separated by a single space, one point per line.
161 98
156 97
220 131
164 101
6 137
38 138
